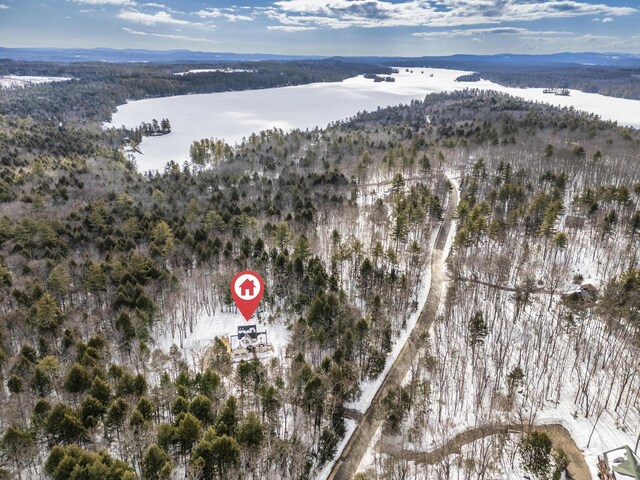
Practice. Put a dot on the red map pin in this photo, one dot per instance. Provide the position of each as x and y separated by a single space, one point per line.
247 288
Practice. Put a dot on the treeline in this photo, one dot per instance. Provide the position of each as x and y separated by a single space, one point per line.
610 80
471 77
99 88
151 129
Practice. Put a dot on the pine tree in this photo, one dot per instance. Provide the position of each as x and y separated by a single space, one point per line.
535 450
100 390
95 278
156 464
74 463
478 329
77 380
227 420
59 280
187 432
18 446
202 408
63 425
251 432
46 313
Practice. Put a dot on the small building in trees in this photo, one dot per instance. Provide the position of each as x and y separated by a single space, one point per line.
619 464
249 342
587 292
591 285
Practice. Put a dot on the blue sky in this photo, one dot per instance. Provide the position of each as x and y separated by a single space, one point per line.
327 27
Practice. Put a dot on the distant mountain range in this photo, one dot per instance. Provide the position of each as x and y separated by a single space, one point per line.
565 58
136 55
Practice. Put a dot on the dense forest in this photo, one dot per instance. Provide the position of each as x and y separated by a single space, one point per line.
99 262
610 81
102 266
99 87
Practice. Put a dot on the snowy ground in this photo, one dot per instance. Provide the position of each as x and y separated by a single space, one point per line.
234 115
500 457
217 324
16 81
607 434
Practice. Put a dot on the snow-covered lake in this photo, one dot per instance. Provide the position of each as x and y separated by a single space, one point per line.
234 115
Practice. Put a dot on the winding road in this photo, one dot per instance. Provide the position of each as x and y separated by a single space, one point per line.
347 464
560 436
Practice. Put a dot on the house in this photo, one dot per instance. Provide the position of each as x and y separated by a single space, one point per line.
590 285
247 288
249 342
587 292
619 464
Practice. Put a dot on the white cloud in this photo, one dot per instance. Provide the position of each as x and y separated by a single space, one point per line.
167 35
149 19
104 2
226 13
289 28
607 20
158 5
436 13
3 6
471 32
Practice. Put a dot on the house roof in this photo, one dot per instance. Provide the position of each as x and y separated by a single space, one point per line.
591 281
623 463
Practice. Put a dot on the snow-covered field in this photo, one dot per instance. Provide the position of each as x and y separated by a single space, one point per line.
17 81
233 115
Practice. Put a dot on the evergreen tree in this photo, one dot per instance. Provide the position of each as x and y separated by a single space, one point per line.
187 432
215 456
74 463
478 329
227 420
156 464
251 432
59 280
46 313
535 450
63 425
77 380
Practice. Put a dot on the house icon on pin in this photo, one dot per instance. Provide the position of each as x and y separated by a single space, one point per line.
246 288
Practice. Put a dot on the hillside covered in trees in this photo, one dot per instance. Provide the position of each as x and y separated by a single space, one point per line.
99 264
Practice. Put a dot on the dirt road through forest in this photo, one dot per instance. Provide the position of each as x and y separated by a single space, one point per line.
578 468
359 442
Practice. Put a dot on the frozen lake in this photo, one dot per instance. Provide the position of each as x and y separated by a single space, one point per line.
234 115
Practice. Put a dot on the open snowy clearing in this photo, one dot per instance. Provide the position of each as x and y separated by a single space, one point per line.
207 326
17 81
233 115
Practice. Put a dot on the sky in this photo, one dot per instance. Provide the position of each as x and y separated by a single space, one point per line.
327 27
